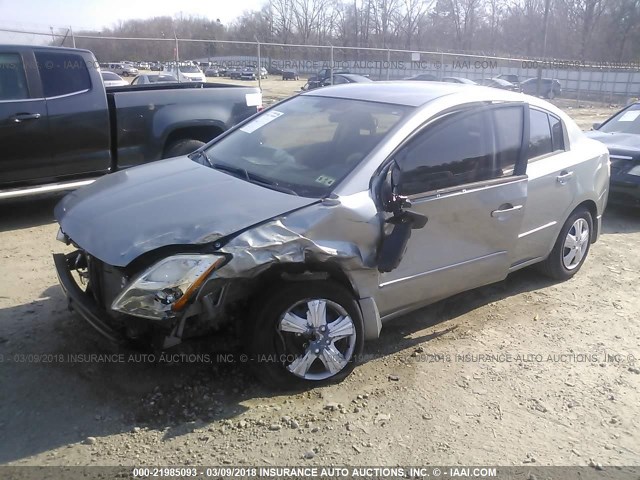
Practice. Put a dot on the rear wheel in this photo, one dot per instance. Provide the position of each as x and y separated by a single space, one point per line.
571 248
305 334
551 95
182 147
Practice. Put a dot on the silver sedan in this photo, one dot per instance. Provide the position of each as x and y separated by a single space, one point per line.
306 228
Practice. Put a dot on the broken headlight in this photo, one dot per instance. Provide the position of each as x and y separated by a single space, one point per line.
166 287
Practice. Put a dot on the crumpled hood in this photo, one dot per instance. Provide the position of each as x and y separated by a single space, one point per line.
618 143
171 202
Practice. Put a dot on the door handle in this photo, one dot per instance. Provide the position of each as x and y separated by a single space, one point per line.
564 177
506 208
21 117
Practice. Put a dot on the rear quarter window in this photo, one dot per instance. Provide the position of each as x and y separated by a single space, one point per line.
62 73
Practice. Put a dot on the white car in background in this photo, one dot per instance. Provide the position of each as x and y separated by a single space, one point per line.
111 79
186 73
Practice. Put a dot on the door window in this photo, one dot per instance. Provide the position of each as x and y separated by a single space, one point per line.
546 134
557 133
539 134
62 73
13 82
462 148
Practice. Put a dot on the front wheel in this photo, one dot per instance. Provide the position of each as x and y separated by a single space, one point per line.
305 334
571 247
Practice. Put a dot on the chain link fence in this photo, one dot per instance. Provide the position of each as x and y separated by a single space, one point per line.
613 83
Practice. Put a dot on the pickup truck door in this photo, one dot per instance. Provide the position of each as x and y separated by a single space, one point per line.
79 126
24 129
464 176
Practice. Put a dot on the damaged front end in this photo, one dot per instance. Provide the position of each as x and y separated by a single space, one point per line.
178 292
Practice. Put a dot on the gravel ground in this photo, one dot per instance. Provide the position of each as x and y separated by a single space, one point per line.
525 371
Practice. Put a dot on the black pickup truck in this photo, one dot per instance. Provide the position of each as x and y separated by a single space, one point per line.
60 127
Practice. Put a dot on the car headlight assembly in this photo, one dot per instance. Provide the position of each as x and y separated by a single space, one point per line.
635 171
166 287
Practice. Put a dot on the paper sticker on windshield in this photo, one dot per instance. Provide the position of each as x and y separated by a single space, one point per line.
629 116
261 121
324 180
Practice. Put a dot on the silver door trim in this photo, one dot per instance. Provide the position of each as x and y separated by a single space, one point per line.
463 189
79 92
56 187
417 275
537 229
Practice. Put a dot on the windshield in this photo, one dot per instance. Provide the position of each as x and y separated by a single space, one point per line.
627 121
305 145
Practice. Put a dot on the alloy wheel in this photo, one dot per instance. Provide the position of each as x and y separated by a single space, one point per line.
575 244
319 338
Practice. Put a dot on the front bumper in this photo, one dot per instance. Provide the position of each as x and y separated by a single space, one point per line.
82 303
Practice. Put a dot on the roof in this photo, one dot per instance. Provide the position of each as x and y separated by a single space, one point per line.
16 47
409 93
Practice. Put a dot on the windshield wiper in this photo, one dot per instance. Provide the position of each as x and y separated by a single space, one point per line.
267 182
235 171
251 177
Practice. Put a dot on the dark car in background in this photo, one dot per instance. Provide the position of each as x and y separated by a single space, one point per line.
621 135
499 83
338 79
509 77
461 80
423 77
318 79
234 73
252 73
549 87
212 71
290 75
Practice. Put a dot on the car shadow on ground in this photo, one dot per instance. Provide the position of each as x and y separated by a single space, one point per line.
618 219
28 212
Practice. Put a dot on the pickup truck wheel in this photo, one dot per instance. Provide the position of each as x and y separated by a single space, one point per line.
571 248
182 147
305 334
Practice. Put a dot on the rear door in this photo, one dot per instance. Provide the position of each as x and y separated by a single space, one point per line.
463 173
24 130
78 115
553 172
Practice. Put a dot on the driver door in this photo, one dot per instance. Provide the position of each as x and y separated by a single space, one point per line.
464 172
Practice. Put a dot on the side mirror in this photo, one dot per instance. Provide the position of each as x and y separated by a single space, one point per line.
394 242
595 126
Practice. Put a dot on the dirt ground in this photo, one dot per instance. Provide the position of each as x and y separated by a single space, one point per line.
525 371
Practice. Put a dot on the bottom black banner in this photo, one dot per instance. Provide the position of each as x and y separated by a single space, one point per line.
596 472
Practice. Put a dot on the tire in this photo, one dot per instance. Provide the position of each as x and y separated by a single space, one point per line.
182 147
295 352
560 264
551 95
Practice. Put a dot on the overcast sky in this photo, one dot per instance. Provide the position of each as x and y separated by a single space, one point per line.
39 15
